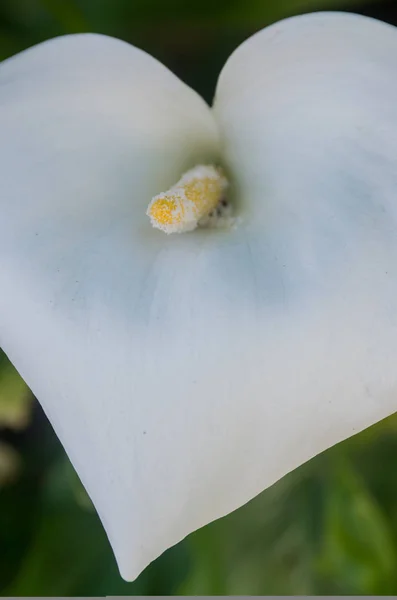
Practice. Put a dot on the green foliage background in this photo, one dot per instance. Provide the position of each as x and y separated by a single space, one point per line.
330 527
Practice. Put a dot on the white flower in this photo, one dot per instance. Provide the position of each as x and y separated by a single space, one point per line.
186 373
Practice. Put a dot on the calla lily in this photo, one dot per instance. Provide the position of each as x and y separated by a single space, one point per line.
186 373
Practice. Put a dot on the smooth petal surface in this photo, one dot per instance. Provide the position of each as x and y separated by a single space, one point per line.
307 111
91 129
185 374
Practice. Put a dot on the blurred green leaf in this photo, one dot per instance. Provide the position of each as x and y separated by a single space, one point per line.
67 14
20 499
224 12
15 398
70 554
62 485
10 464
359 552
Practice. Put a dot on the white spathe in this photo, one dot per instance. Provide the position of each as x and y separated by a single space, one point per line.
185 374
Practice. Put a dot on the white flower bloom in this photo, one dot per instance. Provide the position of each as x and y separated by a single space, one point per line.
186 373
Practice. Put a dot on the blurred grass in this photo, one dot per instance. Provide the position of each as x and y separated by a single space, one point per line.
329 527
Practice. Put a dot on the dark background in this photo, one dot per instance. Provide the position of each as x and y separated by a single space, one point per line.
328 528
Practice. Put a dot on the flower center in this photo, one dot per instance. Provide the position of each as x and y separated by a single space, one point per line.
197 199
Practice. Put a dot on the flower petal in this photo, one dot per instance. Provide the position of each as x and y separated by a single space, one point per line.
185 374
91 129
306 98
308 121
